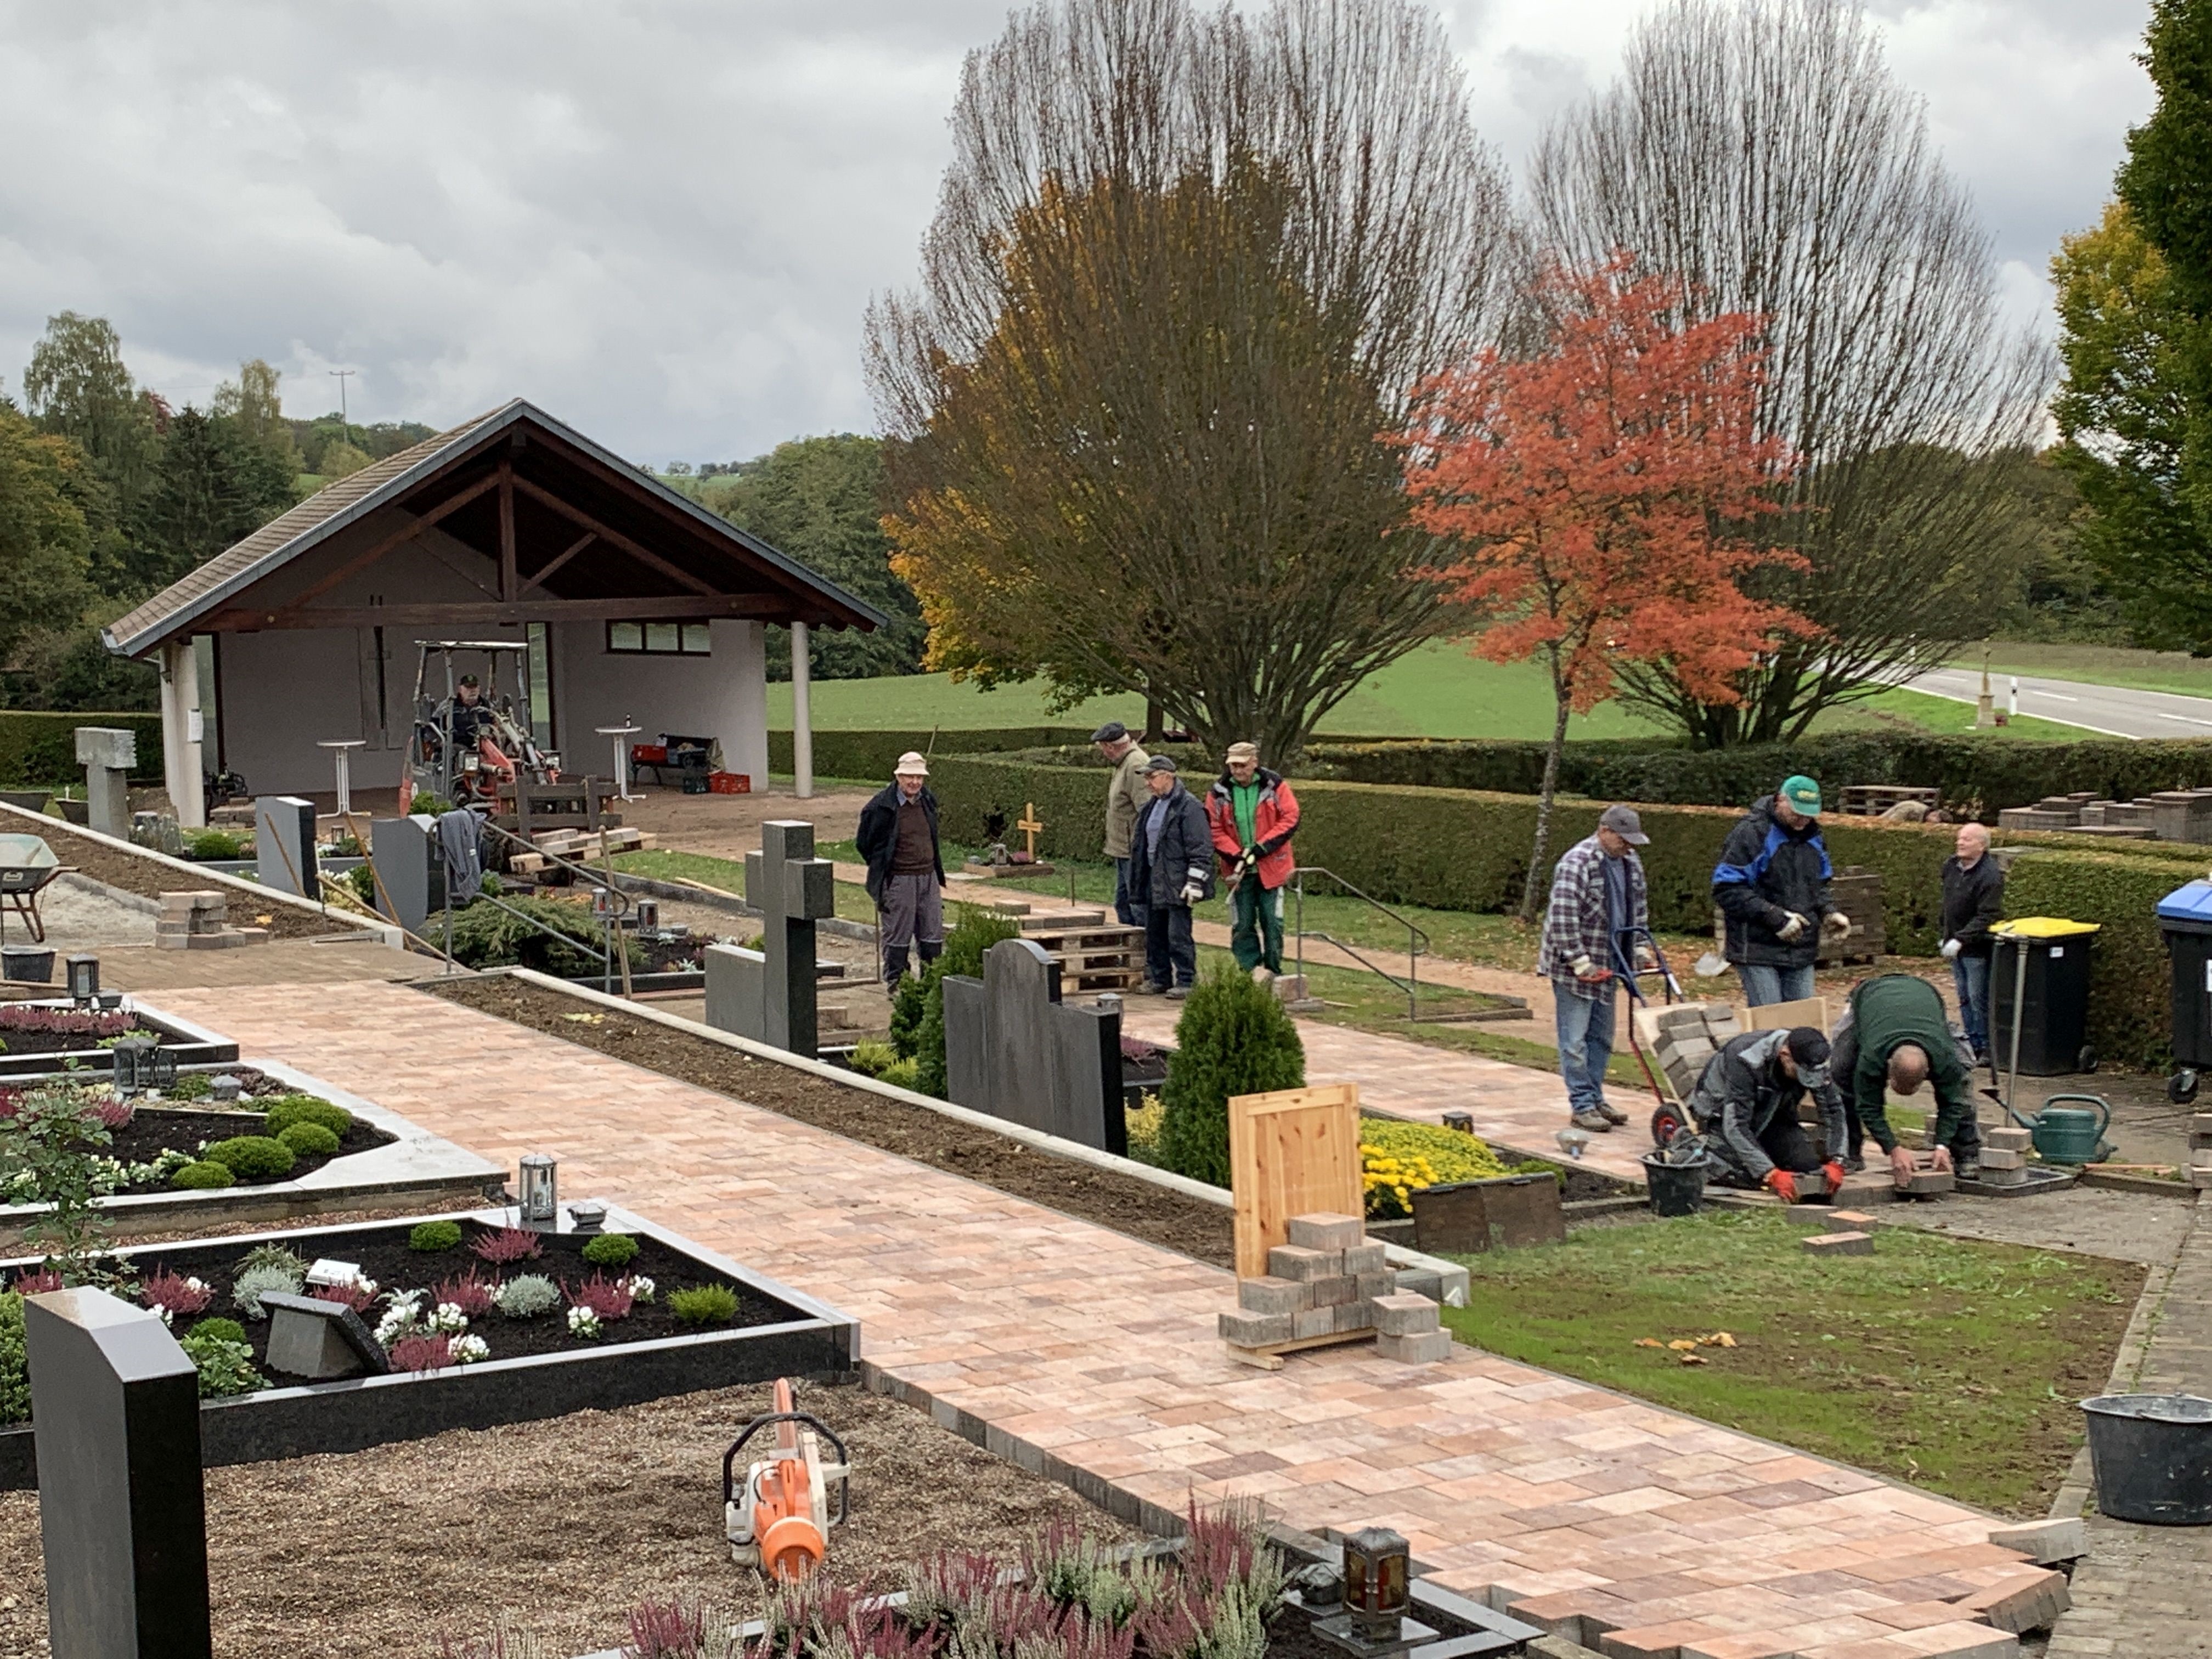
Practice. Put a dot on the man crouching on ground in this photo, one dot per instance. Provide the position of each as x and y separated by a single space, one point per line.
1745 1105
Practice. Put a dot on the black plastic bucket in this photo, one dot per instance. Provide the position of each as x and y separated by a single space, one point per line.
1675 1189
26 966
2153 1455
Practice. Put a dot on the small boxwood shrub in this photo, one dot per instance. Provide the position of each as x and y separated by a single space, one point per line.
14 1366
252 1157
974 933
611 1250
215 843
203 1175
431 1236
281 1115
228 1330
1233 1039
704 1304
309 1139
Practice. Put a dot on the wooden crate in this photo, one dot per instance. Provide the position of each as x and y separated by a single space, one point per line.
1295 1151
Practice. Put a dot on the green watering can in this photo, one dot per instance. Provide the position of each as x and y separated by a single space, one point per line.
2066 1134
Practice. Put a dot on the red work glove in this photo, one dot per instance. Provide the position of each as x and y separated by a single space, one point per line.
1783 1185
1834 1171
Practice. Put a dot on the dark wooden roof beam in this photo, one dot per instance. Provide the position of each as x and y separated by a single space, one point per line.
644 556
537 578
770 607
421 522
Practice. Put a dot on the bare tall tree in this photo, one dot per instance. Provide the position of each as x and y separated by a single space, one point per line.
1184 270
1762 150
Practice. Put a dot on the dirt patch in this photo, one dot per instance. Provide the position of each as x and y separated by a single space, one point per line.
566 1524
1188 1226
149 878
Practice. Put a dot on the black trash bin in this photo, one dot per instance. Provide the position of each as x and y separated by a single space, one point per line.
2053 994
2151 1454
2184 916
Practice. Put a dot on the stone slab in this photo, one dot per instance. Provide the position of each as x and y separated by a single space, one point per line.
1303 1265
1273 1296
1404 1315
1322 1231
1422 1348
2046 1543
1838 1244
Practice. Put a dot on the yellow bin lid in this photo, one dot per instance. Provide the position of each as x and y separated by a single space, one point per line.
2044 927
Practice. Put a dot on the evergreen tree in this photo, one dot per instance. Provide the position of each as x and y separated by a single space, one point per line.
214 485
1233 1039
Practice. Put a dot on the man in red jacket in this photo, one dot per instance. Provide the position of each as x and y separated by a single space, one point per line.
1253 813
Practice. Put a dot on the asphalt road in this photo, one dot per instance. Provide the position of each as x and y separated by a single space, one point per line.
2117 711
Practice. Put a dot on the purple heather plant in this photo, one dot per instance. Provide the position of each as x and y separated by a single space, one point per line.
610 1298
114 1114
63 1022
508 1244
359 1294
37 1281
472 1295
421 1353
176 1292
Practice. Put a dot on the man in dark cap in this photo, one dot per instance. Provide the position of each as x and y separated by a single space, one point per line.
1125 799
1597 897
1745 1105
1171 855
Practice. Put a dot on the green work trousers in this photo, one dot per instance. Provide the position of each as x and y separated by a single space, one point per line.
1256 929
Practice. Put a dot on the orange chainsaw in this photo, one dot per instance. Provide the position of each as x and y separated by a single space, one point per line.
780 1522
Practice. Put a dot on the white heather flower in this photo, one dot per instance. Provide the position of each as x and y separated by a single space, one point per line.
583 1322
448 1320
641 1288
163 1313
465 1350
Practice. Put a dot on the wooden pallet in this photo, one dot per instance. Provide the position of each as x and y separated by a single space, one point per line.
1270 1358
1103 979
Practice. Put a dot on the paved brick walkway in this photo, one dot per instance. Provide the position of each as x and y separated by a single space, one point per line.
1082 1346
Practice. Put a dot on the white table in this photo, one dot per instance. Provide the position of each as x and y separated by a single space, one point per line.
341 750
621 734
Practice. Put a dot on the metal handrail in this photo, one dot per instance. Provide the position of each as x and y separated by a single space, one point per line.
1416 940
601 880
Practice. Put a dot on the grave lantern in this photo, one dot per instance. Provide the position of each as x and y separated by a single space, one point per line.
540 1205
133 1065
1376 1589
84 981
226 1088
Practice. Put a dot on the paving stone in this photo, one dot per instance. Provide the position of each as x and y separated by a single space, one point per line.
1334 1291
1405 1314
1424 1348
1355 1315
1737 1647
1273 1296
1385 1282
1257 1330
1964 1640
1838 1244
1303 1264
2008 1139
1858 1191
1654 1641
2046 1542
1999 1158
1421 1281
1366 1258
1930 1183
2021 1601
1846 1221
1313 1322
1323 1231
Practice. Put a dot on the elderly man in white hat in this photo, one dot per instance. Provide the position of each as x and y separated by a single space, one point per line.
906 875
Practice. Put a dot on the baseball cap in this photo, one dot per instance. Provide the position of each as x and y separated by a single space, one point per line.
1624 823
1803 794
1810 1050
1112 732
1245 751
1162 763
911 764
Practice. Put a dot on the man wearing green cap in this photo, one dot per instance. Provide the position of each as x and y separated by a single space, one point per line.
1771 886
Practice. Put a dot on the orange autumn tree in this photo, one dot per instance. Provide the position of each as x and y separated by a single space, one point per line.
1602 490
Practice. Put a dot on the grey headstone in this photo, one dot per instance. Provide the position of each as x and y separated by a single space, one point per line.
410 865
107 754
769 994
1012 1048
317 1339
284 844
115 1409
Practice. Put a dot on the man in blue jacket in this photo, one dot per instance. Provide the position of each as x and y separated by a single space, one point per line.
1771 887
1171 857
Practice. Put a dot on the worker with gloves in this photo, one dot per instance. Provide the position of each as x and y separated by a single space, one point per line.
1745 1105
1973 901
1895 1037
1594 934
1253 814
1772 885
1174 851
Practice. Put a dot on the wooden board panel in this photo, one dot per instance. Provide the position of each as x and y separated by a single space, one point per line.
1295 1151
1786 1016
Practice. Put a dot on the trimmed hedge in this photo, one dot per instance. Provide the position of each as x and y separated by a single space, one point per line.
873 754
2131 993
38 748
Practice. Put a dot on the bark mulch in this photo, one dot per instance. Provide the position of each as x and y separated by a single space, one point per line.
1126 1204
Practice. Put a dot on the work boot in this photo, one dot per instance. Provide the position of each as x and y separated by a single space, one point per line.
1149 988
1966 1169
1854 1164
1177 993
1593 1121
1610 1113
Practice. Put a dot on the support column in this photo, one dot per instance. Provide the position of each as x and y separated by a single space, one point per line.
192 810
172 728
802 714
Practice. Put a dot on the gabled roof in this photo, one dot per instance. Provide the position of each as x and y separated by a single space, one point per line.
383 483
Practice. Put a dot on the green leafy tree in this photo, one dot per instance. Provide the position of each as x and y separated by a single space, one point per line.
77 386
1233 1039
48 495
253 404
821 501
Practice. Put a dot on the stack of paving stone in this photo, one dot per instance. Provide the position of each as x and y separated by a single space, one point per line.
1682 1038
2184 815
2200 1150
1330 1284
2004 1156
201 921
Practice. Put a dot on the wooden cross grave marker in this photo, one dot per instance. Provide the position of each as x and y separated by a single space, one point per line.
1031 827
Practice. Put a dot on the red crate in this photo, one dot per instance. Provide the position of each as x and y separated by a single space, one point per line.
728 783
649 754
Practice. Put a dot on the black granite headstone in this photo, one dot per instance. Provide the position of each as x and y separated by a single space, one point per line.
1014 1049
768 994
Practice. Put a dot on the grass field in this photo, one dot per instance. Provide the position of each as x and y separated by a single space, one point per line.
1948 1363
2100 665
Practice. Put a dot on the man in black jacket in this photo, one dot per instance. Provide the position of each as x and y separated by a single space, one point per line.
1772 885
1745 1104
906 873
1973 899
1171 857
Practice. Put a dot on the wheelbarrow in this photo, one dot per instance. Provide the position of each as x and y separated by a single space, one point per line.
1670 1115
2068 1135
27 864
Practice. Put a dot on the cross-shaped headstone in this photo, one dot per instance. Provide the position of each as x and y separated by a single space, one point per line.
1031 827
768 994
1014 1049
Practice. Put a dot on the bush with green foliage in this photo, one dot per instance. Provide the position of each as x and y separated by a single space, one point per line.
282 1114
611 1250
973 933
494 936
228 1330
1233 1039
909 1007
225 1367
903 1074
14 1366
274 1255
215 843
309 1141
202 1176
250 1284
527 1296
424 801
431 1236
362 880
190 1085
870 1057
253 1158
40 747
704 1304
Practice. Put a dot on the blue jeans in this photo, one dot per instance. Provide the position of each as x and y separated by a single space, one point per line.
1970 975
1763 985
1170 951
1128 909
1585 1027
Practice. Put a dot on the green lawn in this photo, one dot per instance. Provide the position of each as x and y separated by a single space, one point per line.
1947 1363
2098 665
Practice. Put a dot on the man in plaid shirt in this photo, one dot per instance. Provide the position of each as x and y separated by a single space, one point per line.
1597 896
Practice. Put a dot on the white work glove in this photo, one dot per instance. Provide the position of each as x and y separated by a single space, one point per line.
1836 922
1792 927
1950 949
1192 892
1584 968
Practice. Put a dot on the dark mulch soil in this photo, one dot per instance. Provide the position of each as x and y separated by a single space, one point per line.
565 1524
1189 1226
133 873
159 1129
382 1253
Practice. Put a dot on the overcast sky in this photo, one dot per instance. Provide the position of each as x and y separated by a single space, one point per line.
661 222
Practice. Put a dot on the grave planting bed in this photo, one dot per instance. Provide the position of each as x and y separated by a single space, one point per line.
55 1035
1125 1204
536 1367
153 1130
